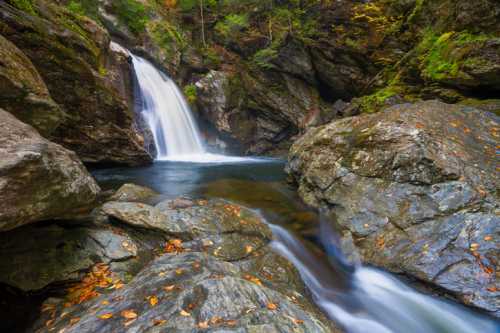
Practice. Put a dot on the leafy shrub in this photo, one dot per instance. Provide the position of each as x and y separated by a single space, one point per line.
263 57
132 14
190 93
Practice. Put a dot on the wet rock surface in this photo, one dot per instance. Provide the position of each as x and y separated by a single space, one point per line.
39 180
414 190
218 274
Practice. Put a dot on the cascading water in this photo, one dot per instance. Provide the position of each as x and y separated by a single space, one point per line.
364 300
166 112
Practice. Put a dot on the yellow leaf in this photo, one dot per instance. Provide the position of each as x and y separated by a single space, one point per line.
184 313
153 300
105 316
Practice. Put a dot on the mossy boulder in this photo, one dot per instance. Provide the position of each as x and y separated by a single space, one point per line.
24 93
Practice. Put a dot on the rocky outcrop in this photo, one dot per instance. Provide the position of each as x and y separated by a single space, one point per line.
90 82
24 93
414 190
39 180
221 275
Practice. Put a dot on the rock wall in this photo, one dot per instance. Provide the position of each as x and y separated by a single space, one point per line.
90 83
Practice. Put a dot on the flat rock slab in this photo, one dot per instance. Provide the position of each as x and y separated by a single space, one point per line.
414 189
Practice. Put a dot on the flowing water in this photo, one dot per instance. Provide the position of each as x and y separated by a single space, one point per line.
168 116
358 298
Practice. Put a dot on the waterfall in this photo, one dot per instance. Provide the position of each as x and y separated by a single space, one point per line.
167 114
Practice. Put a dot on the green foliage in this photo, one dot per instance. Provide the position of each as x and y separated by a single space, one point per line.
263 57
24 5
442 56
190 93
210 57
232 24
132 14
88 8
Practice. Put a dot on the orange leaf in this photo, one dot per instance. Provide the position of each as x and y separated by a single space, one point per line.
158 322
129 314
272 306
203 324
169 288
153 300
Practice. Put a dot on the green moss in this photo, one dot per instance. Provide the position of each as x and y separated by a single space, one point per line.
264 57
88 8
167 36
24 5
232 24
131 13
374 102
190 93
443 56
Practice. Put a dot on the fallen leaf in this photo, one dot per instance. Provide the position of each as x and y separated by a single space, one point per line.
248 249
129 314
153 300
179 271
272 306
169 288
105 316
49 322
105 302
297 321
203 324
253 279
474 246
231 322
158 322
184 313
129 321
488 238
74 320
492 289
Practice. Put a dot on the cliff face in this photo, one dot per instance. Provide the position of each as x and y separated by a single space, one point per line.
79 91
261 72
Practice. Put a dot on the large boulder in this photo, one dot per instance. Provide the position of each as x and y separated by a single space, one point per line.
221 277
414 190
39 180
91 82
24 93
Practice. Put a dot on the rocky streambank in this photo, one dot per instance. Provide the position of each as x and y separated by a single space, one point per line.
178 265
412 189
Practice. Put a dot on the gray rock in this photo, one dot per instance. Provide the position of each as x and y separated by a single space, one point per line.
414 190
39 180
133 193
141 215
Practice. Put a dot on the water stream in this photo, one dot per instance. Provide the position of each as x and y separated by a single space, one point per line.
358 298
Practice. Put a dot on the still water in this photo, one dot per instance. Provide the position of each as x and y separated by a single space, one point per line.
359 299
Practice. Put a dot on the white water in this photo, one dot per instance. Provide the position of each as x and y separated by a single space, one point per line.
374 301
166 112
